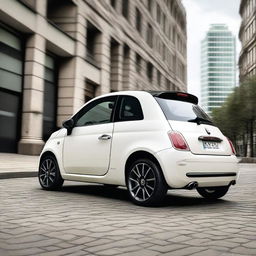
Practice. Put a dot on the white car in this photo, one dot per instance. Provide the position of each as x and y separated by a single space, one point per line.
147 141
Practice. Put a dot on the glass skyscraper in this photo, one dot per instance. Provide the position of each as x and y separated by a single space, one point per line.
218 66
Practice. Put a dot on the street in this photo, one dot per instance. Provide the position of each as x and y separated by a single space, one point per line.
89 219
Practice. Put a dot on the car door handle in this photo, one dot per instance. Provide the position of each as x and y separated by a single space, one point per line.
104 137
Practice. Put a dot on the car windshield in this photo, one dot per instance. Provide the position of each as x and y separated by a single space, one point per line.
177 110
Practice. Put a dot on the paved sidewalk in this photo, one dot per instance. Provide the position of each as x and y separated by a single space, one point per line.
17 166
94 220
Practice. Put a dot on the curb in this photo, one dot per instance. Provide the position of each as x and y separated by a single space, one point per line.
11 175
248 160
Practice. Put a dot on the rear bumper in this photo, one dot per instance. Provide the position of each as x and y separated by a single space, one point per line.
181 168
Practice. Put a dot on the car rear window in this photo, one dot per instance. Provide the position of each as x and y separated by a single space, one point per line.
177 110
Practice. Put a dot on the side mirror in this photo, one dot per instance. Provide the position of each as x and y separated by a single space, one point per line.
69 125
111 105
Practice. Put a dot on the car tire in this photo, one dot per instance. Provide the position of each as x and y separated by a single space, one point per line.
49 174
145 182
213 192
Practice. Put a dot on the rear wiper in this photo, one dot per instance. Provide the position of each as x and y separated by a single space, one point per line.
200 120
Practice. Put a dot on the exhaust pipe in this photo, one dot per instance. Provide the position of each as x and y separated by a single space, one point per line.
192 185
233 182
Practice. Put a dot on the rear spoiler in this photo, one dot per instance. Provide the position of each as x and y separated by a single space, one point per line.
181 96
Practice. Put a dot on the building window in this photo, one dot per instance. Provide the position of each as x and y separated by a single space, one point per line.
164 52
167 85
180 70
61 13
160 46
11 74
138 63
164 23
150 36
115 65
89 91
158 78
173 63
93 35
183 24
170 33
50 97
158 14
126 67
150 71
113 3
150 6
125 8
173 35
138 20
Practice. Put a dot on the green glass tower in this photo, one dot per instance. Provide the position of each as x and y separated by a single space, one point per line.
218 66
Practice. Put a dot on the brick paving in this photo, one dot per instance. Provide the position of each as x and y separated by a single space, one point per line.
86 219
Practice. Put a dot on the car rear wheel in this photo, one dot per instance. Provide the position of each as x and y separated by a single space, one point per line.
145 183
213 192
49 174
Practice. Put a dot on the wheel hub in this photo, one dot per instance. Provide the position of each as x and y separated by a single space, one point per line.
142 182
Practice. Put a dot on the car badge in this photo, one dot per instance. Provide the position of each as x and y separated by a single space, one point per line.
208 132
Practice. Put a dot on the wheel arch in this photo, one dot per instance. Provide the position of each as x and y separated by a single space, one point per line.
51 153
138 155
47 153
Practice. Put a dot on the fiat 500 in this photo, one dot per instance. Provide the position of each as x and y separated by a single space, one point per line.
147 141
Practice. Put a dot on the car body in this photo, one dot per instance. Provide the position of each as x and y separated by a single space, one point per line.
116 138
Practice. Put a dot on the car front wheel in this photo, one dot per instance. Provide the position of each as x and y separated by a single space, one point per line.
49 174
145 183
213 192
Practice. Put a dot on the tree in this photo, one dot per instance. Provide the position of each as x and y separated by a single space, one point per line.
237 116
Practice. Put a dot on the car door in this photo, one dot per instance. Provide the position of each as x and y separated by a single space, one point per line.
87 149
129 129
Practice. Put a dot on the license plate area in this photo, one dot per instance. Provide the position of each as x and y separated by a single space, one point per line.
210 145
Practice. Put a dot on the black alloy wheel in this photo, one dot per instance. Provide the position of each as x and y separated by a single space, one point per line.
49 174
145 183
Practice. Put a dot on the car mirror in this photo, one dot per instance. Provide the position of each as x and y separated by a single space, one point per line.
111 105
69 125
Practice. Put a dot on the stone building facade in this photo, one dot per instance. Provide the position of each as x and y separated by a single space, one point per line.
247 58
247 35
56 55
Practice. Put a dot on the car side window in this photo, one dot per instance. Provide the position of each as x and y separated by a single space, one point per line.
130 109
100 112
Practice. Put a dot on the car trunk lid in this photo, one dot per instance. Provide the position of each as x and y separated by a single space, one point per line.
186 117
202 139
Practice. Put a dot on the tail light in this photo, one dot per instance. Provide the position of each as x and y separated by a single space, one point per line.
178 141
232 147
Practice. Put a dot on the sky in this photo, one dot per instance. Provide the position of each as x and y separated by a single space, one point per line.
200 14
